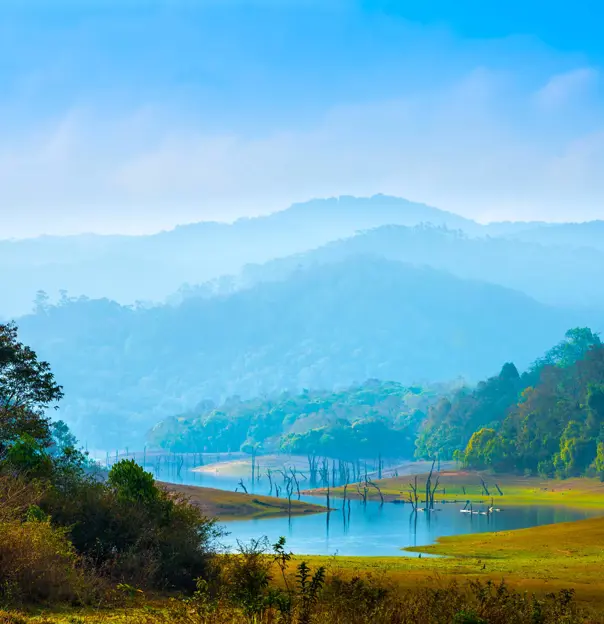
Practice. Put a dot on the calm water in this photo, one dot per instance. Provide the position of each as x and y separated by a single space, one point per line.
374 529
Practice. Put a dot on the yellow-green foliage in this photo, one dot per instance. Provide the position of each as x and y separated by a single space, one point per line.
37 563
353 601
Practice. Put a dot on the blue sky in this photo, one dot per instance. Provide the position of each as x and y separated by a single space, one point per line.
135 116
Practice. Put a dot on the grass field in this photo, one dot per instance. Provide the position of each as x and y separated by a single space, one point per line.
465 485
541 559
224 505
538 560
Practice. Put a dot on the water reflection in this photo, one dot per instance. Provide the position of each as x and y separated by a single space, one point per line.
381 530
373 529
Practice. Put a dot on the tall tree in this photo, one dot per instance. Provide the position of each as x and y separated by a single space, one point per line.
27 389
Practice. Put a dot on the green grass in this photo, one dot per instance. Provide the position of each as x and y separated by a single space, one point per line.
541 560
580 492
225 506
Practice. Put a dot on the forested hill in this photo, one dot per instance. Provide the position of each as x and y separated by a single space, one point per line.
548 421
367 421
558 275
131 268
124 369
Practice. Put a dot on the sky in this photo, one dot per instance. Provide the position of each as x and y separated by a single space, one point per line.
133 116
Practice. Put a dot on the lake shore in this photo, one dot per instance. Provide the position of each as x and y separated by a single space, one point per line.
461 485
226 506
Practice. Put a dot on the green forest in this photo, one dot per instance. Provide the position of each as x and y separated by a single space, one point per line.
547 420
126 368
554 426
372 419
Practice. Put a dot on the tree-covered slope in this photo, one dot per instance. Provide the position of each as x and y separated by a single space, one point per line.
555 274
125 369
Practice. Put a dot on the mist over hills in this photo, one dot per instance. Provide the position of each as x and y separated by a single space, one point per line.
151 268
558 275
323 295
125 369
131 268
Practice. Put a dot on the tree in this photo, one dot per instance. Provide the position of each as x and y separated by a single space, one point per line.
27 389
599 461
62 438
132 483
480 447
25 382
577 342
41 302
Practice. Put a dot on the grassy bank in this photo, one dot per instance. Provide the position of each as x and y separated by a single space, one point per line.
225 505
466 485
540 560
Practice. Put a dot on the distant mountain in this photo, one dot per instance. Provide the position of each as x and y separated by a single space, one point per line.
589 234
557 275
130 268
322 327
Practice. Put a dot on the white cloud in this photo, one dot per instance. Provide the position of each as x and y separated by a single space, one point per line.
479 147
561 89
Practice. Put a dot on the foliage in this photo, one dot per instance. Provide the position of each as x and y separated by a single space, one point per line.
132 484
556 427
452 421
371 419
27 388
132 530
38 564
25 382
57 518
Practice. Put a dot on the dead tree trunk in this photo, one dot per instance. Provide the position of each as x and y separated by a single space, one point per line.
312 470
429 484
293 471
413 496
434 492
375 485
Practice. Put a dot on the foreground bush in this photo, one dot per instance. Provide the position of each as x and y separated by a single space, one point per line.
131 531
38 564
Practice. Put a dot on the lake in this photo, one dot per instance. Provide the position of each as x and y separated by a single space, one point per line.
372 529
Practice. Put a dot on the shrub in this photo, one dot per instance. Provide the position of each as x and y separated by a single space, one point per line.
17 495
37 564
131 531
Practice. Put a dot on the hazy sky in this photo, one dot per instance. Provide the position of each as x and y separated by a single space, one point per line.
132 116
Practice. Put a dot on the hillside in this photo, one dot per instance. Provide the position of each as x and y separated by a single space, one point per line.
131 268
125 369
562 276
589 234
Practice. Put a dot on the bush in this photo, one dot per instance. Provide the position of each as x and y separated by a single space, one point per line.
17 495
132 531
38 564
